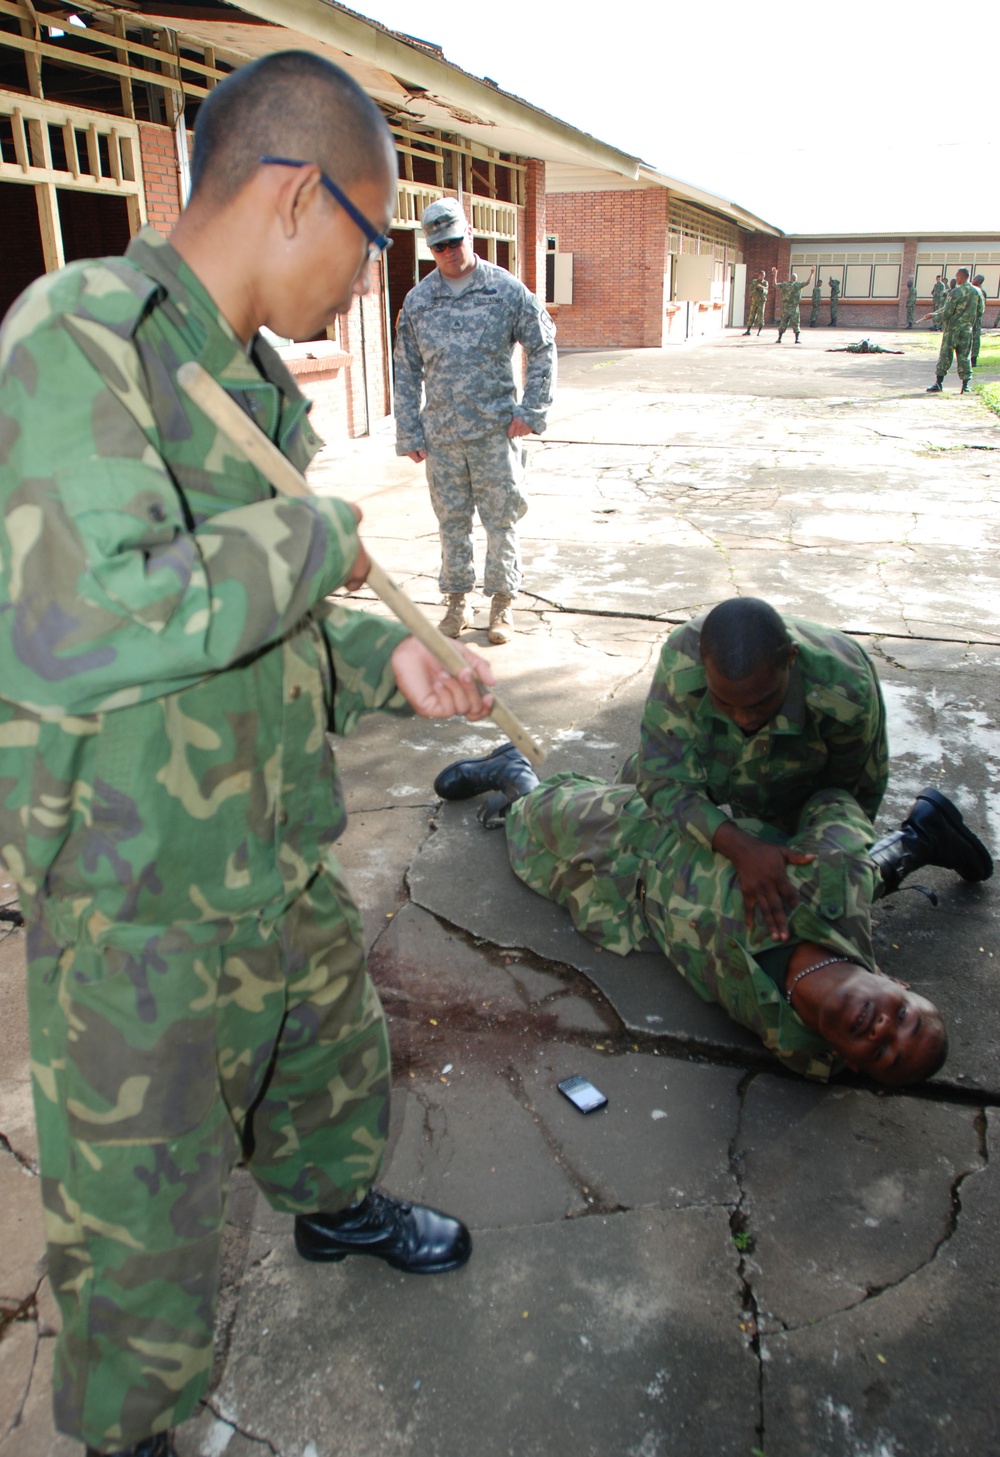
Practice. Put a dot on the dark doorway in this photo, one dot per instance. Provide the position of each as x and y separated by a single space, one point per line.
92 225
21 256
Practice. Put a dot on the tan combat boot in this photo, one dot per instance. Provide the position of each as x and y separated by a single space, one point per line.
501 618
458 616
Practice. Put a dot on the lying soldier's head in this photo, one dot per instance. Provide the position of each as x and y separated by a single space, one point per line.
747 655
877 1025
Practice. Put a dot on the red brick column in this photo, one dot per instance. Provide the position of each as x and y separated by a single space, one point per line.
908 271
532 268
762 250
159 175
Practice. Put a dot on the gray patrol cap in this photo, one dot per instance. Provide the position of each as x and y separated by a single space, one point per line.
443 221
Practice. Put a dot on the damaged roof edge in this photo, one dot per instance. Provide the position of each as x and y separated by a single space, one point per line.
731 210
369 41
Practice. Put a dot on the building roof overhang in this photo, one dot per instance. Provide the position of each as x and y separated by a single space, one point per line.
412 79
572 178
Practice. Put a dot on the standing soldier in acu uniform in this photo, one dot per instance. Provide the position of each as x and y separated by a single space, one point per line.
834 301
790 294
758 302
171 666
456 334
958 316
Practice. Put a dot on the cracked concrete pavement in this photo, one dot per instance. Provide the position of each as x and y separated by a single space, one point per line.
725 1260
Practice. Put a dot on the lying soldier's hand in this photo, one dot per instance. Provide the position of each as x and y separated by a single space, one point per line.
430 689
760 869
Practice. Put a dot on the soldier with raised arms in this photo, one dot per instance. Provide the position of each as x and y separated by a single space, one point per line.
789 297
172 663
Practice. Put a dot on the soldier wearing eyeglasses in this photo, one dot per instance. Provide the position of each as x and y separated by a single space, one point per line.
172 666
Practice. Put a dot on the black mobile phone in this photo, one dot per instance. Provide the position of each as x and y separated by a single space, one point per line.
582 1094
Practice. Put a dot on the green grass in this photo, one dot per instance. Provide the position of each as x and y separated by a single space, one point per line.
986 374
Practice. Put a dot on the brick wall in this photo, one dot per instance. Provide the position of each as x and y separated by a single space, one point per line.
760 250
618 242
159 175
532 245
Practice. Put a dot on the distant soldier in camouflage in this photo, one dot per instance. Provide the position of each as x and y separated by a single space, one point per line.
171 666
938 294
455 336
834 301
758 302
817 299
978 283
865 347
767 913
911 303
958 316
789 296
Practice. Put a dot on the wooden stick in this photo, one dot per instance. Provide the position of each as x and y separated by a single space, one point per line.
237 426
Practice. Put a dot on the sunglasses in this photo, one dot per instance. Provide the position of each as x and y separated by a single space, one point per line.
377 242
445 247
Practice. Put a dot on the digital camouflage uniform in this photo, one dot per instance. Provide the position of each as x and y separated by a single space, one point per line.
758 303
958 316
911 305
834 300
938 295
168 802
817 299
789 296
459 348
629 863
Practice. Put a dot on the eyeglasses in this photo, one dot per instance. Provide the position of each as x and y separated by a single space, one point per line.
444 247
377 242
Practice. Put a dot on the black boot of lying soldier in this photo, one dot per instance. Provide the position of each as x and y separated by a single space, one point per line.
933 833
505 770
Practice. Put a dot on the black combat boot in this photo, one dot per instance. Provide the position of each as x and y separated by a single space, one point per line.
158 1446
965 387
407 1236
745 332
937 387
468 777
933 833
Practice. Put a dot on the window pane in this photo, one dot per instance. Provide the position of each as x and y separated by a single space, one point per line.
926 274
859 280
885 284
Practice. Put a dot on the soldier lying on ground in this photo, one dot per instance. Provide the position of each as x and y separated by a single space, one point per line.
865 347
172 664
767 913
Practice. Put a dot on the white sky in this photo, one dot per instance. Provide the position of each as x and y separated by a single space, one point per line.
878 115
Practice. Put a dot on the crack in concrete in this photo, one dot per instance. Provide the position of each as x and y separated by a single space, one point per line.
743 1240
239 1431
27 1163
874 1292
596 1203
26 1313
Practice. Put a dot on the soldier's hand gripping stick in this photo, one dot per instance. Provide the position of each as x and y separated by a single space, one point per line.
237 426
